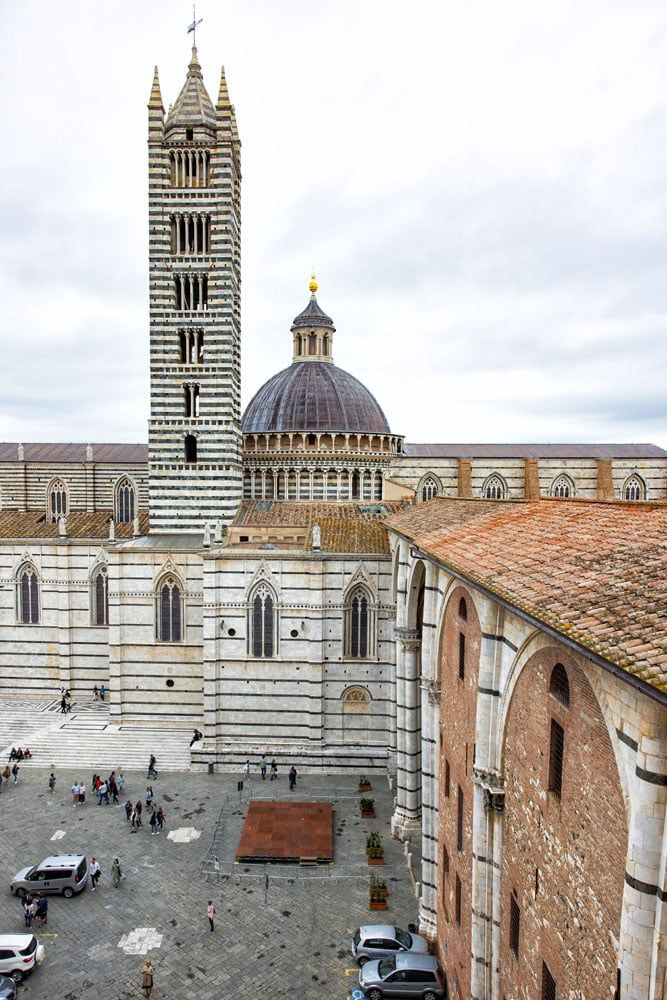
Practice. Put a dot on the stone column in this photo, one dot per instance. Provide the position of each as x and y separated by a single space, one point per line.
406 821
430 812
488 807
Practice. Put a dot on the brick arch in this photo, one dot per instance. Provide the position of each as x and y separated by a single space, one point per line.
563 856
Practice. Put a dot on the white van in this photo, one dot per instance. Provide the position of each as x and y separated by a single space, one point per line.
63 873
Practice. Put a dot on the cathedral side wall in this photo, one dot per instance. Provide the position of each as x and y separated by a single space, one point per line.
90 486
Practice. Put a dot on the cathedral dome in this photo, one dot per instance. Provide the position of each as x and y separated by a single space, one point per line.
314 396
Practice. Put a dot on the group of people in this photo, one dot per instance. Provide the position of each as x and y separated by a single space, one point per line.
16 753
65 700
35 907
134 814
273 767
7 774
99 692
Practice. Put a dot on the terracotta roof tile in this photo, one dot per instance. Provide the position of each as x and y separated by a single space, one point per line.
595 572
80 524
344 527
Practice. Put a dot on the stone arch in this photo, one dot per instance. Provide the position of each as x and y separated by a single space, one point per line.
355 715
415 601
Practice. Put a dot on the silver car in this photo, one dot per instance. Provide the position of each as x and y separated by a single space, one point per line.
63 873
378 940
403 975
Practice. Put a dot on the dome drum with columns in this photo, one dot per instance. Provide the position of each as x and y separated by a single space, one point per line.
313 431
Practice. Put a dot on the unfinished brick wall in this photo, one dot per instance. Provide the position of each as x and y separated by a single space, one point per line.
457 746
564 859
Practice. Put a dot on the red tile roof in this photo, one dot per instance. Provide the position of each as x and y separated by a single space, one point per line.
80 524
74 452
594 572
344 526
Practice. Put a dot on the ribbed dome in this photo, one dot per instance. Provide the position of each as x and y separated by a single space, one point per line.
314 396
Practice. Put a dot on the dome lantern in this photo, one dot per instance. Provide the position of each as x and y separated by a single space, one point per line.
312 331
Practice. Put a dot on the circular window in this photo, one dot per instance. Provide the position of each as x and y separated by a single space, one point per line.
294 633
231 631
170 683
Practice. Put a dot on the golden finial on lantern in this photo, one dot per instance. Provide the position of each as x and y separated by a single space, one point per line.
313 283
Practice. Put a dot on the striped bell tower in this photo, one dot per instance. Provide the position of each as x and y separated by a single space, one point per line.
194 207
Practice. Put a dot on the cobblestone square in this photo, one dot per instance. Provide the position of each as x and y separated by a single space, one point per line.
280 932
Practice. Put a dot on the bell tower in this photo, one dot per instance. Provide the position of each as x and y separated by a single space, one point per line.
194 208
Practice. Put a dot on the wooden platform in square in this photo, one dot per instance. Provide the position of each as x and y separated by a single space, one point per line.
287 831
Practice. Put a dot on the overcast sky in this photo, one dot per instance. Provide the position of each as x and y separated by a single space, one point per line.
481 186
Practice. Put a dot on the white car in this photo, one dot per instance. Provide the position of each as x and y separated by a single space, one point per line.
19 954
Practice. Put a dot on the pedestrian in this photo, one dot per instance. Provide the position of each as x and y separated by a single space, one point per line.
28 911
160 820
82 793
262 767
292 777
103 794
15 773
52 782
147 978
274 769
216 867
63 704
96 691
113 788
95 872
68 702
103 691
42 909
153 822
149 795
196 737
6 774
246 769
128 810
133 819
152 773
116 873
121 783
210 913
1 780
75 793
137 811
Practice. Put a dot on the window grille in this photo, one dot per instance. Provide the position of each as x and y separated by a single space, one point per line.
57 500
548 984
447 779
125 502
634 489
562 487
459 819
169 612
556 753
28 596
429 489
515 924
494 488
559 685
457 901
101 598
462 655
262 629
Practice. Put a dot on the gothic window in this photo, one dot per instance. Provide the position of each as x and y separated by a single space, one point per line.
559 685
562 486
359 626
100 597
262 623
169 610
494 488
463 609
634 488
429 489
356 716
190 449
56 500
125 502
462 655
28 595
556 755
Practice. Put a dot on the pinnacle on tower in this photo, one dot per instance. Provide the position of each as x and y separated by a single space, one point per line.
193 106
155 100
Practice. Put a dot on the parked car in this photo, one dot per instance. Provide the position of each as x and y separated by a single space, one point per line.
8 989
403 975
63 873
19 954
378 940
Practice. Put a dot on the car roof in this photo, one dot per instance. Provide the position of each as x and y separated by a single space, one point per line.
15 940
377 930
58 860
408 960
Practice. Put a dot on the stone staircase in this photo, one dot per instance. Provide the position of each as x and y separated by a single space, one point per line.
86 738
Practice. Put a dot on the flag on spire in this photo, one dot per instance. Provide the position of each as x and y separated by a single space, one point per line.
195 24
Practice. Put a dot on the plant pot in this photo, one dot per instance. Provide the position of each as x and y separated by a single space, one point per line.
378 904
375 861
368 814
366 787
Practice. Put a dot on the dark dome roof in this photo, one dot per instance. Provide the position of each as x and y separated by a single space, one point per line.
314 396
313 316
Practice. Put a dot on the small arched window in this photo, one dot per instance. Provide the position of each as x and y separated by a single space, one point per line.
634 488
429 489
100 597
559 685
463 609
125 502
562 487
494 488
169 611
262 623
28 595
359 624
56 500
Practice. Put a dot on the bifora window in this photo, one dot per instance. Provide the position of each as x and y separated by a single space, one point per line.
57 500
125 502
169 617
262 620
359 624
100 597
28 596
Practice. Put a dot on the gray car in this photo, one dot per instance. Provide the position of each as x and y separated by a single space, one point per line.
403 975
377 940
62 873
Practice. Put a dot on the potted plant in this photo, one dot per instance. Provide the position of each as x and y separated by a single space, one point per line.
367 807
364 785
377 894
374 848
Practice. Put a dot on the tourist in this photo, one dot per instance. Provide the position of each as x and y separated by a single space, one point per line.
103 691
75 793
52 782
262 767
161 819
95 872
149 795
96 692
210 913
274 769
121 783
147 978
197 736
292 777
128 810
82 793
246 769
42 909
153 822
152 773
15 773
116 873
137 809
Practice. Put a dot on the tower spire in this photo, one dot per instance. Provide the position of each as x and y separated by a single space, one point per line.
155 100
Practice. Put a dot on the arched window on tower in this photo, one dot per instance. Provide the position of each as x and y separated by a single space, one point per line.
634 488
124 507
262 622
562 487
494 488
100 597
169 610
429 489
56 500
27 596
359 624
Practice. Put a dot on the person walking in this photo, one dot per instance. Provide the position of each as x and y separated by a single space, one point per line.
121 783
274 769
82 793
149 795
96 691
210 913
28 911
128 810
137 812
262 767
95 872
292 778
42 910
75 793
216 867
63 704
116 873
147 978
103 691
103 794
152 773
153 821
160 820
246 769
113 788
52 782
15 773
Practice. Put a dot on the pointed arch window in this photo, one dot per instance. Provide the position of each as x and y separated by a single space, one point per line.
634 488
169 610
359 624
559 685
262 623
56 500
100 597
125 502
494 488
429 489
28 595
562 487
